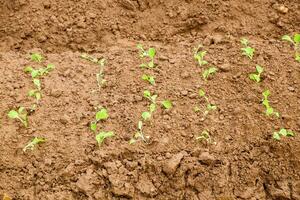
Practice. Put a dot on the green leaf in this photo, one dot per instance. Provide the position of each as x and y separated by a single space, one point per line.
297 56
287 38
151 52
147 94
31 145
276 136
93 126
259 69
254 77
35 73
283 132
151 80
201 93
28 69
208 72
167 104
140 125
36 57
103 135
211 107
152 107
297 38
266 93
269 111
146 115
37 83
290 133
145 77
102 114
13 114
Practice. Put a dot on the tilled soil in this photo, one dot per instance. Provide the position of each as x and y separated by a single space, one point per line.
242 162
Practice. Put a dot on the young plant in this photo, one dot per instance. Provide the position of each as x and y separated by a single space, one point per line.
20 114
205 136
150 53
256 77
36 73
247 50
283 133
152 98
209 106
269 110
33 143
296 44
101 63
100 137
149 78
139 135
208 72
166 104
199 56
36 57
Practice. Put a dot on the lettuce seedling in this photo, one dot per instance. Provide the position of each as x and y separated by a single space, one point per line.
103 135
149 78
209 106
206 137
147 95
33 143
101 63
256 77
296 44
35 73
199 56
167 104
139 135
20 114
247 50
36 57
269 110
150 53
208 72
283 133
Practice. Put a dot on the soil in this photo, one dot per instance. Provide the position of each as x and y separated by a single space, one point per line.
242 162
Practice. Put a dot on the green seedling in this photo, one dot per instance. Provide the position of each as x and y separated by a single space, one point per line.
33 143
283 133
209 106
269 110
101 62
256 77
295 41
166 104
35 73
199 56
20 114
152 98
150 53
205 136
36 57
148 78
208 72
101 115
103 135
146 116
247 50
139 135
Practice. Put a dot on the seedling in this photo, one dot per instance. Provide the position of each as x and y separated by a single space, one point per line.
269 110
149 78
208 72
35 73
33 143
152 98
296 44
150 53
247 50
283 133
36 57
256 77
166 104
103 135
101 63
209 106
20 115
205 136
139 135
146 116
199 56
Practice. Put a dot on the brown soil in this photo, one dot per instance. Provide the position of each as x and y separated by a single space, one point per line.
245 163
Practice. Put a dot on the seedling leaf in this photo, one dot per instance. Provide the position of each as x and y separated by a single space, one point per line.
287 38
13 114
146 115
33 143
103 135
36 57
102 114
167 104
